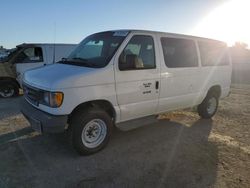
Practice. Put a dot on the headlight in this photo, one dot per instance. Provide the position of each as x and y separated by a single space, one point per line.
52 99
56 99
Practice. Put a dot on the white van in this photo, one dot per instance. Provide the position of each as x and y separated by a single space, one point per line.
25 57
125 77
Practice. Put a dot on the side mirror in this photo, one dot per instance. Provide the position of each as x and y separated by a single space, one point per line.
128 62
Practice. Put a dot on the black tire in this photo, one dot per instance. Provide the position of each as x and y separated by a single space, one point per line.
8 89
80 120
203 108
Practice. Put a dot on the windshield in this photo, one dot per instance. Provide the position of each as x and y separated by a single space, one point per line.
96 50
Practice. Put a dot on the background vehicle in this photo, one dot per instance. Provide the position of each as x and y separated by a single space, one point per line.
125 77
3 55
25 57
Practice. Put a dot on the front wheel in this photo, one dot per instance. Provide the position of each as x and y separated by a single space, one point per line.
91 130
8 89
209 106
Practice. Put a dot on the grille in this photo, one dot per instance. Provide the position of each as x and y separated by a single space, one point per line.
32 94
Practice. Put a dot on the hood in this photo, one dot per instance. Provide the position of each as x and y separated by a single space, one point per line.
61 76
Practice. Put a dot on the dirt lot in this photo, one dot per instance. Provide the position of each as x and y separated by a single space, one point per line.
180 150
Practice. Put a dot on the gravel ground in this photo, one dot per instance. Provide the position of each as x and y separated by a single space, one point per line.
180 150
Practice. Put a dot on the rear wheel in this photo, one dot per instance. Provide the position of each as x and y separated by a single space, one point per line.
8 89
91 130
209 106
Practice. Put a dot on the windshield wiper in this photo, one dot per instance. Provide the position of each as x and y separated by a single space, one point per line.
80 59
74 59
77 61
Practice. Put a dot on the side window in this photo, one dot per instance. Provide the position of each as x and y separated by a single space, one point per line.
213 53
179 52
31 55
138 54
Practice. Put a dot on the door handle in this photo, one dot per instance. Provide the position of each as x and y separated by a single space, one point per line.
157 85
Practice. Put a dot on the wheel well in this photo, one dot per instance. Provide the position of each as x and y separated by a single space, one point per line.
9 79
103 104
216 90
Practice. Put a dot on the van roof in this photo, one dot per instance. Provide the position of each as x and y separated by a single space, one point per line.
171 34
43 44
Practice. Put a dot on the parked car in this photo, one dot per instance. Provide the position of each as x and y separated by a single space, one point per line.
125 77
25 57
3 56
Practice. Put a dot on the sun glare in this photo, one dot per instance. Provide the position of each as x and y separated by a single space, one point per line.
228 22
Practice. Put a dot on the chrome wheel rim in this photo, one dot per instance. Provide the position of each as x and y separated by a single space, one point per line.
94 133
212 104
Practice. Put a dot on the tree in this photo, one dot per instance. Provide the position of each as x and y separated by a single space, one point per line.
240 45
240 53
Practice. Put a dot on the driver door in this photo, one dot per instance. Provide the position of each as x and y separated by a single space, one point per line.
137 77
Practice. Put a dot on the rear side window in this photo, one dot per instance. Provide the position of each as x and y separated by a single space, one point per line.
213 53
179 52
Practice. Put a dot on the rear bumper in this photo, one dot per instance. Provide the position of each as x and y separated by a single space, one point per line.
41 121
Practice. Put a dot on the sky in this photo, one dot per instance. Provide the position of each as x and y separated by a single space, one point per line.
70 21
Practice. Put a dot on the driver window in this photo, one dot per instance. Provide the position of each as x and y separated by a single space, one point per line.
31 55
138 54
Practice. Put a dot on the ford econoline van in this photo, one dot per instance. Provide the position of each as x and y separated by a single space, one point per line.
123 77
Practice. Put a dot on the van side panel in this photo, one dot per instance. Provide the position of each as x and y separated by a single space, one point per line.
63 51
180 86
216 75
58 51
216 67
183 87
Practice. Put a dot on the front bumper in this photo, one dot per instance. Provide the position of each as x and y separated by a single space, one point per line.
41 121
